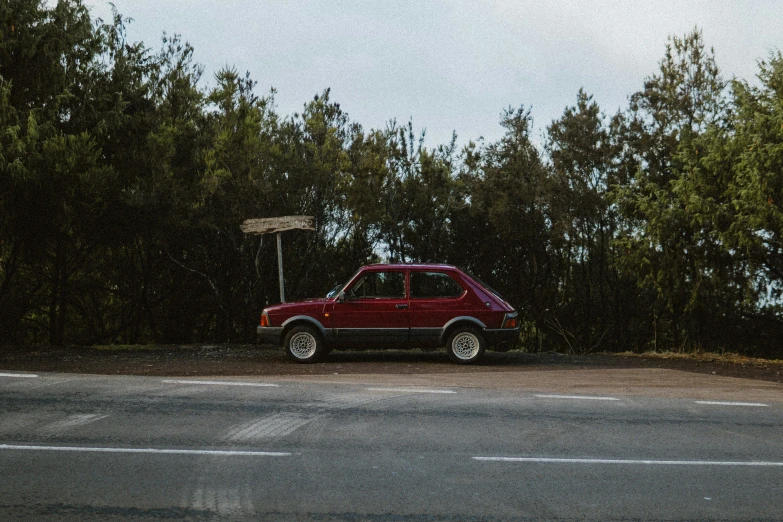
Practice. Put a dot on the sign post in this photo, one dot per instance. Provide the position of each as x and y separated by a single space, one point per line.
280 266
277 225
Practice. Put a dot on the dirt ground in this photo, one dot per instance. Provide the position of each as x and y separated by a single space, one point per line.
234 360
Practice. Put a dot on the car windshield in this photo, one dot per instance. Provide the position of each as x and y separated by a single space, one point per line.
339 286
334 290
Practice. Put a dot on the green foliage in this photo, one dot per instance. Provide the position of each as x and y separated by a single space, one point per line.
507 218
670 250
756 155
582 226
123 182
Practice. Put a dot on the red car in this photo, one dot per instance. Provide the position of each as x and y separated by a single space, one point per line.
400 306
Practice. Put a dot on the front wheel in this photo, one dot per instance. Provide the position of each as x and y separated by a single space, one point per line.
303 344
465 345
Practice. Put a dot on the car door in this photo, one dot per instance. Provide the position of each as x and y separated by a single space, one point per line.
374 312
435 299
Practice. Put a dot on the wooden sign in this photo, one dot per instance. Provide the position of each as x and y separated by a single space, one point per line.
277 224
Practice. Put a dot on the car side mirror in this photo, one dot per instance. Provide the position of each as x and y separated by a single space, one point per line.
341 297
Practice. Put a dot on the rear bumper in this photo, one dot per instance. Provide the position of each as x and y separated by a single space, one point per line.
496 336
270 335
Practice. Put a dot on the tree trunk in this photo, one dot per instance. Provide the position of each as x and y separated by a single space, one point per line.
57 301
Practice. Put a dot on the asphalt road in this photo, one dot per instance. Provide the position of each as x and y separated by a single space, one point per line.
77 447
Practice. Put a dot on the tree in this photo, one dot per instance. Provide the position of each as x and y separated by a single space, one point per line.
583 227
751 156
665 247
56 189
503 235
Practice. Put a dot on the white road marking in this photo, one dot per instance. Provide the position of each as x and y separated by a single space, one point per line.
410 390
578 397
277 425
73 421
636 462
729 403
226 501
29 375
221 383
227 453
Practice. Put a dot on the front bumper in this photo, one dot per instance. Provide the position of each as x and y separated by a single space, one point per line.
270 335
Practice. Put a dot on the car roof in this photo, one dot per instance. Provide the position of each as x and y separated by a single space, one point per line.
438 266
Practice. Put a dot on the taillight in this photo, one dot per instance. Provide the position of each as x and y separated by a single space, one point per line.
510 322
264 320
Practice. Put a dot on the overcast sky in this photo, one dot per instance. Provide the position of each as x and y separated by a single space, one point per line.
449 65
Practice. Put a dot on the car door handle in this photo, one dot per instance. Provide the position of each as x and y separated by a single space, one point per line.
402 306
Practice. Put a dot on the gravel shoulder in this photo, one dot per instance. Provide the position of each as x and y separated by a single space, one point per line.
700 376
248 360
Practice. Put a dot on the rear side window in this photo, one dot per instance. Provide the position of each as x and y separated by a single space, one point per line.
433 284
373 285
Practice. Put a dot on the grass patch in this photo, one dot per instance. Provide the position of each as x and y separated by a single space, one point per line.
163 347
129 347
728 358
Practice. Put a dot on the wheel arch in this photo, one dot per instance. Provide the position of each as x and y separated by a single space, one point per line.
302 320
465 320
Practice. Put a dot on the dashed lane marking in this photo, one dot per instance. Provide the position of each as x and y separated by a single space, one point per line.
578 397
165 451
222 383
28 375
731 403
410 390
542 460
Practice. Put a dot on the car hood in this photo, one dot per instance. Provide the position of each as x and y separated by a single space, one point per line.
282 307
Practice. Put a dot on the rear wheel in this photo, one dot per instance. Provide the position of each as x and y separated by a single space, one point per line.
303 344
465 345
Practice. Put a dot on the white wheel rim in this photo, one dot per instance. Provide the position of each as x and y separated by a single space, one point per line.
465 346
303 345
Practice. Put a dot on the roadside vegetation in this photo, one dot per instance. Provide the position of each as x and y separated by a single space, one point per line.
124 178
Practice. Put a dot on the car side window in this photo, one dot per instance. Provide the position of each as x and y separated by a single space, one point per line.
433 285
375 285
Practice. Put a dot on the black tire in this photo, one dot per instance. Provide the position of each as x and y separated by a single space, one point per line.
465 345
304 344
